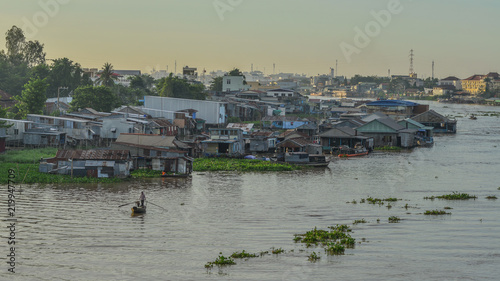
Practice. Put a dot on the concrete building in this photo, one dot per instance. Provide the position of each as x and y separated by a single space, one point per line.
451 81
234 84
213 112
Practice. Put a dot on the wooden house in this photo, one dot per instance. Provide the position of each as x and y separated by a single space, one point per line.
440 123
385 132
343 136
224 141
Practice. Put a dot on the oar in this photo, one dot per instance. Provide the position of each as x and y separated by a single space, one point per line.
126 204
149 202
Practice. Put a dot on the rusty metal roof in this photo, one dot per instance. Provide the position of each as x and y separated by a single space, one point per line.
93 154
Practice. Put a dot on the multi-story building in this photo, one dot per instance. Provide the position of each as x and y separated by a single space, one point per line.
477 83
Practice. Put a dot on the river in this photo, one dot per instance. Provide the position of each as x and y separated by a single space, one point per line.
78 232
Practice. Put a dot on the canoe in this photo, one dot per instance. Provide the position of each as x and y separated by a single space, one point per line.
138 210
353 154
175 175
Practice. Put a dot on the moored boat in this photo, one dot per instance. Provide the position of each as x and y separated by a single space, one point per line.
358 150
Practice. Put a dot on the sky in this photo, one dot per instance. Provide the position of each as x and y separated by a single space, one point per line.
366 37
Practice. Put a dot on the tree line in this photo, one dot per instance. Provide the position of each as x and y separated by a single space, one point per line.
31 78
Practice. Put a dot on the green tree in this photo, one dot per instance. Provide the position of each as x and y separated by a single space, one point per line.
175 87
235 72
65 73
32 99
216 84
3 114
100 98
106 77
21 51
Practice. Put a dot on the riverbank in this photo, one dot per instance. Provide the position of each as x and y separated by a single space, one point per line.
25 164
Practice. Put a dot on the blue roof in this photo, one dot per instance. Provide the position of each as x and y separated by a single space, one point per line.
392 103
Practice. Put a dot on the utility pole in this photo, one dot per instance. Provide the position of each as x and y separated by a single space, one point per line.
58 89
411 63
432 70
337 67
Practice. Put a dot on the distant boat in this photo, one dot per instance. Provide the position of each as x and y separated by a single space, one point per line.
473 117
358 150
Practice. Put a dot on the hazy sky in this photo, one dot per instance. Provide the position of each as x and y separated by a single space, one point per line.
302 36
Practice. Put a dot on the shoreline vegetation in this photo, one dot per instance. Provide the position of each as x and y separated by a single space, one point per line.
25 163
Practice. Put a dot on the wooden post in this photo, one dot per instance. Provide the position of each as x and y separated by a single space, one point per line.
71 168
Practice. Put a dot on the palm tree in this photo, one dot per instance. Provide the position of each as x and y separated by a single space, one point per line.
106 78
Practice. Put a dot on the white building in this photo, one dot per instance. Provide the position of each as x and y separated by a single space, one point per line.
234 84
212 112
451 81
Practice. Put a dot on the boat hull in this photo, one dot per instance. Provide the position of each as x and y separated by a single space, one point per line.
138 210
353 154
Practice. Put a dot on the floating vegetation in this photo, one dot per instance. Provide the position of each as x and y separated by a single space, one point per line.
379 201
359 221
354 202
493 197
263 253
30 174
448 208
220 261
335 249
389 206
313 257
28 155
394 219
277 251
453 196
241 165
436 212
243 255
498 188
335 240
388 148
363 200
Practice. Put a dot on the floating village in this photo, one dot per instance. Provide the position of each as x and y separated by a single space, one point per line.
167 134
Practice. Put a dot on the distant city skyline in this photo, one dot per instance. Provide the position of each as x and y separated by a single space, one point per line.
366 37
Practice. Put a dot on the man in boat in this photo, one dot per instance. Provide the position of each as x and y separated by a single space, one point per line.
142 198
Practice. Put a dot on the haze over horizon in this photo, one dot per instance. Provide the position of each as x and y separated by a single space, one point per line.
367 37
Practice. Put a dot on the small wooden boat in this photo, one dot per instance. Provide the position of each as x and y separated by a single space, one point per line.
138 209
358 150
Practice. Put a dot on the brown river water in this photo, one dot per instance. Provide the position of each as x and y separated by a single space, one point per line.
78 232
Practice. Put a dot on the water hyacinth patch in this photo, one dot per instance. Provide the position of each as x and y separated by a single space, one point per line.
436 212
243 255
453 196
240 165
220 261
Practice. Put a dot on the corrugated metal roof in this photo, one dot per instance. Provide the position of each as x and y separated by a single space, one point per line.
147 140
93 154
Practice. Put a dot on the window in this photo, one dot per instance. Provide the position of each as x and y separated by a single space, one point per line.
228 81
16 132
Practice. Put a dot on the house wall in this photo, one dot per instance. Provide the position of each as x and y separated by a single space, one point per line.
15 133
407 140
383 139
120 124
212 112
259 145
234 83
